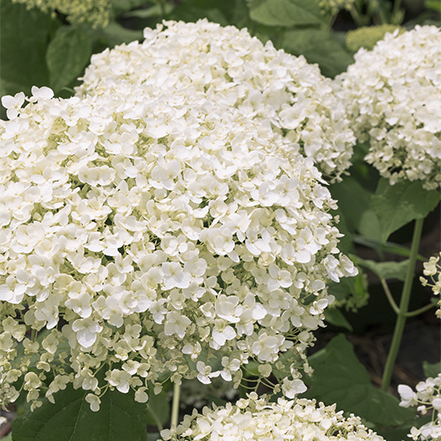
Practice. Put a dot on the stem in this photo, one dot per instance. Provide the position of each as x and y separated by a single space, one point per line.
162 6
404 305
421 310
175 406
389 296
396 17
356 16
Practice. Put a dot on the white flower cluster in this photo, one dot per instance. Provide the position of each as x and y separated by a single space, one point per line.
236 71
145 232
433 270
255 418
393 95
427 397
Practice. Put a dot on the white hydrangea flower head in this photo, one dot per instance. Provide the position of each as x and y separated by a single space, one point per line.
255 418
235 70
432 270
392 95
427 397
148 231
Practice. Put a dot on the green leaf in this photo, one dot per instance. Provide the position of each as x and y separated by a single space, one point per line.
158 409
386 270
67 56
318 46
350 292
431 370
23 35
353 199
190 13
8 437
287 13
388 247
369 226
335 317
434 5
153 11
115 34
397 205
120 418
127 5
340 378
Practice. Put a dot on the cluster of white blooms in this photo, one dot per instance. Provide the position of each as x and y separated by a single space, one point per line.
427 397
255 418
146 231
237 71
433 270
393 95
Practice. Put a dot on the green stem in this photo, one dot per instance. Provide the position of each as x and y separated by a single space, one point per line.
404 305
356 16
175 406
397 14
389 296
421 310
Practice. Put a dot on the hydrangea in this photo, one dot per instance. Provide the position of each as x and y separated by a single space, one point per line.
433 271
427 397
368 36
392 95
145 232
236 71
94 12
255 418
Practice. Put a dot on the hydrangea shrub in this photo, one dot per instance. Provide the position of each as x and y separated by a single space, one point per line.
146 232
236 71
392 96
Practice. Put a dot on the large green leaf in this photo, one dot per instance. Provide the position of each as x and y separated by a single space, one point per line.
287 13
23 36
352 199
431 370
120 418
340 378
67 55
158 409
114 34
335 317
387 270
190 13
318 46
397 205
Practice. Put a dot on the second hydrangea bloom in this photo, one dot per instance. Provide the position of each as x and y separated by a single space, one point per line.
392 95
236 71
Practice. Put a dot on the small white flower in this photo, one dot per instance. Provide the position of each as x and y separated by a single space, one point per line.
94 402
87 331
